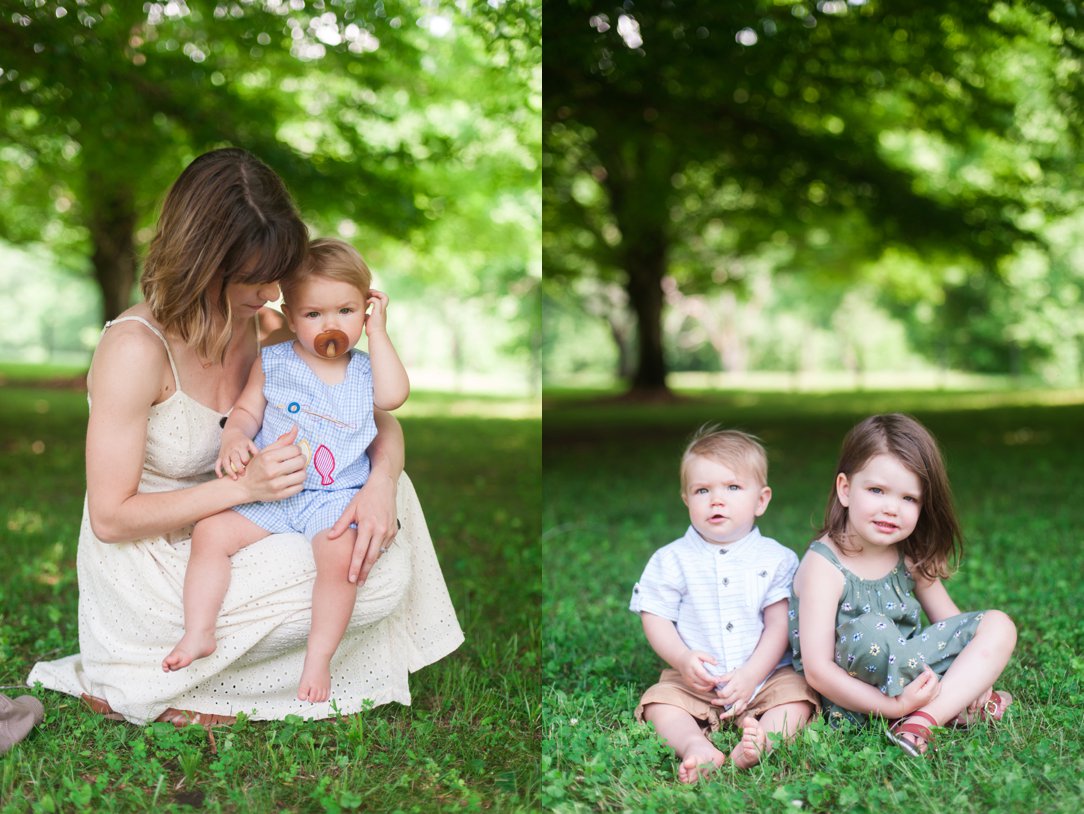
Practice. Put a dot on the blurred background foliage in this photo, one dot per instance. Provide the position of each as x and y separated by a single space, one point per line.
411 129
851 187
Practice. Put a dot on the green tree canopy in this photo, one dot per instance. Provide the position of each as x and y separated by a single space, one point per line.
407 122
678 130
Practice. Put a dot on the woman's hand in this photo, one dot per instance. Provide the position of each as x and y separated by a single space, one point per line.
373 510
277 471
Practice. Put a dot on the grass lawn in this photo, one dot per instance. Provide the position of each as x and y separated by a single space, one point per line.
611 497
469 742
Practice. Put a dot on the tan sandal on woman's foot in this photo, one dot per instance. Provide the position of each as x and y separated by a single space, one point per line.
918 732
992 710
184 717
101 707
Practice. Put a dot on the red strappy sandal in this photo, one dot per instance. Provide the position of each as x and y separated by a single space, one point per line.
992 710
904 726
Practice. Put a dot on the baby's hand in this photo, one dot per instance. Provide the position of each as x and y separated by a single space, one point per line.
694 673
735 691
919 692
376 321
234 456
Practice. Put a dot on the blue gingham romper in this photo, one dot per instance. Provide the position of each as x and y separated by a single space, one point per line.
335 428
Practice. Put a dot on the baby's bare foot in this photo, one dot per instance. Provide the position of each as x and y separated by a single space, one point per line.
700 762
753 745
192 646
315 680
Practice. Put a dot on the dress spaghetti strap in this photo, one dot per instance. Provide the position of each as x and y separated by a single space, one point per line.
156 332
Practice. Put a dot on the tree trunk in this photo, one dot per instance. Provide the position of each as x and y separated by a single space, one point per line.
112 222
645 264
638 180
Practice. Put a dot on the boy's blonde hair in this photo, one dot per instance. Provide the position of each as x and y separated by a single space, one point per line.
739 450
333 260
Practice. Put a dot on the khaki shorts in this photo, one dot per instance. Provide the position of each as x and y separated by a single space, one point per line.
784 686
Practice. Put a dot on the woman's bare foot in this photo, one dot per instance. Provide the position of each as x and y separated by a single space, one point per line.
700 759
754 744
192 646
315 680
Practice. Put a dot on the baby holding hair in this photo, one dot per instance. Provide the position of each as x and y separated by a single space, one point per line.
889 537
713 605
320 391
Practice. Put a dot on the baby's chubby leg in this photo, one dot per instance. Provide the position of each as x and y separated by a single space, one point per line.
333 597
684 734
206 580
782 721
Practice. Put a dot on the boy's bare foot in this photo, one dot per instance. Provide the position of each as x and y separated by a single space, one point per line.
699 761
753 745
192 646
315 680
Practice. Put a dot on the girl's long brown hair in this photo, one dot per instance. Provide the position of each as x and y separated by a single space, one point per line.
227 219
936 545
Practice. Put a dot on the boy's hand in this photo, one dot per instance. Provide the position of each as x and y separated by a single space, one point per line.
736 693
376 321
693 672
233 457
919 692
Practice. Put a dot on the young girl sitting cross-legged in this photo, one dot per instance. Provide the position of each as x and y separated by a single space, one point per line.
889 535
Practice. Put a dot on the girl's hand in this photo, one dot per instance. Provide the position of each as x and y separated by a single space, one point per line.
919 692
277 471
737 693
693 672
234 456
376 321
373 510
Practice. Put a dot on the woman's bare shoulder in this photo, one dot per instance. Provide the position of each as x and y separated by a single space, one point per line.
128 351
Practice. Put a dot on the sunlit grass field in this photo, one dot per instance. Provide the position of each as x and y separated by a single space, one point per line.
611 497
469 742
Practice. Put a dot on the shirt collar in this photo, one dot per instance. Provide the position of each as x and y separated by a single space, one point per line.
730 549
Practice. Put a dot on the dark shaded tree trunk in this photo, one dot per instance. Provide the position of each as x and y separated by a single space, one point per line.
645 264
112 223
638 178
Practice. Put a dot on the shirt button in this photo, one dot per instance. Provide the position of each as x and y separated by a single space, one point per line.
729 626
726 580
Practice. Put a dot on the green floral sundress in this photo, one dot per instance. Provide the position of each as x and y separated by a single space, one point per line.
879 634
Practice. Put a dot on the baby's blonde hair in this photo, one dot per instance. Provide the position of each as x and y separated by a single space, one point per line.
331 259
739 450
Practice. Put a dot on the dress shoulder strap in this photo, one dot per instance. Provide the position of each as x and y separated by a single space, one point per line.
156 332
827 553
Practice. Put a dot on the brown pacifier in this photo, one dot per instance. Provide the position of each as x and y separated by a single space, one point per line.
331 344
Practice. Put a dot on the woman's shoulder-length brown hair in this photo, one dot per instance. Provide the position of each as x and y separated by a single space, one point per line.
936 545
228 218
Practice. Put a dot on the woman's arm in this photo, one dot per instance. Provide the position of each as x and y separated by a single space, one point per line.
126 381
821 587
373 507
